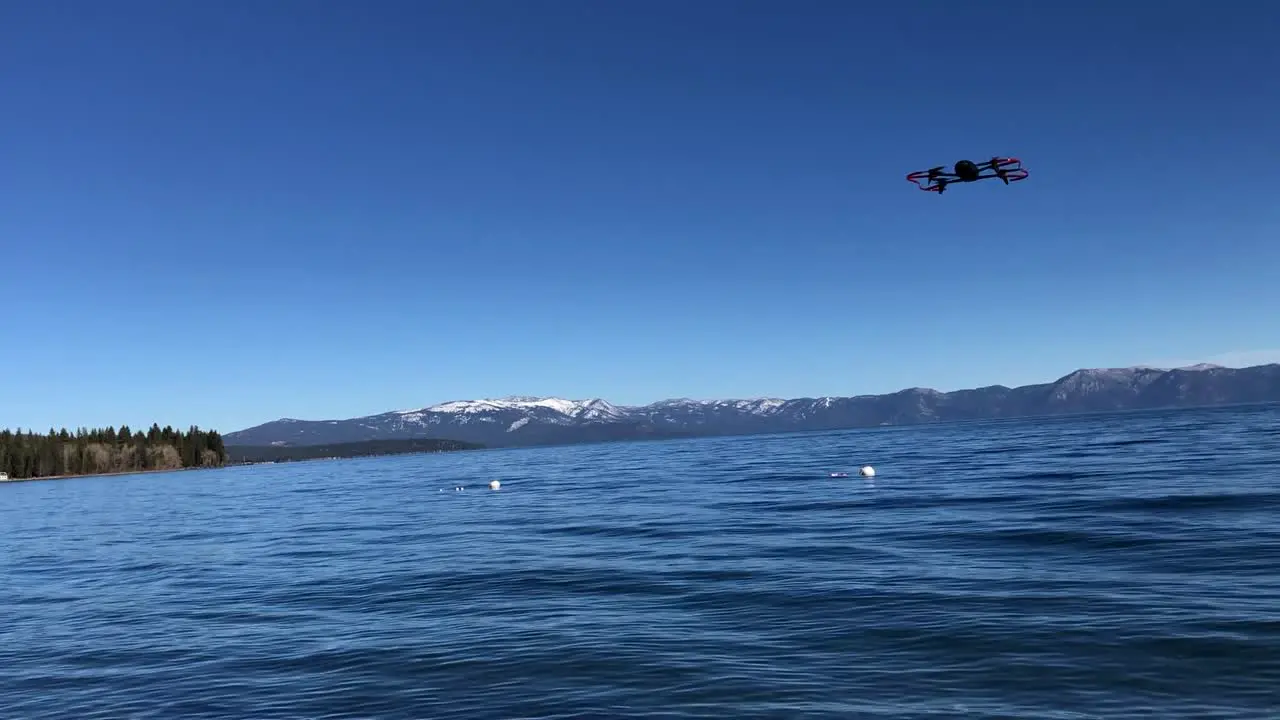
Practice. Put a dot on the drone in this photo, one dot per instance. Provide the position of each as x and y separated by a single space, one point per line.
1007 169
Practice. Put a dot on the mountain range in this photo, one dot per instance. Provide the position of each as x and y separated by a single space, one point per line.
522 421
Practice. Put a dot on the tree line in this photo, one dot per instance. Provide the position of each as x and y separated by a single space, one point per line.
25 454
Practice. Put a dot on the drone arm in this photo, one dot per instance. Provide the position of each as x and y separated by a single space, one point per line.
934 179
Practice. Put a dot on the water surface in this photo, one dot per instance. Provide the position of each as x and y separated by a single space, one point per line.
1101 566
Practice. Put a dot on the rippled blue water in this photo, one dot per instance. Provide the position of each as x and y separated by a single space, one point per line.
1107 566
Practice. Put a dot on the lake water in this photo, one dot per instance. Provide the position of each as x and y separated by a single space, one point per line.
1090 567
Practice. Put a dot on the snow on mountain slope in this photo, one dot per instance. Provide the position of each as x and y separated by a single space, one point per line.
593 409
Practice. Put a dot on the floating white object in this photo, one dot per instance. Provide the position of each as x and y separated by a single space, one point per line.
867 471
494 484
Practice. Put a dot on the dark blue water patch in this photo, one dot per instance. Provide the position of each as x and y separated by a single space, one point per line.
1058 539
665 530
1136 441
1100 566
1208 502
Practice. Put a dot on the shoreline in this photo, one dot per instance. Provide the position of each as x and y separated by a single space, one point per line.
107 474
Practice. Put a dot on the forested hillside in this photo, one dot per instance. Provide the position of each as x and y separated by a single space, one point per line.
26 455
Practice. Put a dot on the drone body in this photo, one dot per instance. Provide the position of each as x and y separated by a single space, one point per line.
1008 169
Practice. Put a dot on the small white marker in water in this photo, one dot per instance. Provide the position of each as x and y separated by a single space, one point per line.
494 484
867 471
459 489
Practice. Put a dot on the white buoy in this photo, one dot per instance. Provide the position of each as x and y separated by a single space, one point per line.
867 471
494 484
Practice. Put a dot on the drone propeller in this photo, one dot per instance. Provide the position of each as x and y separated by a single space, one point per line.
1000 172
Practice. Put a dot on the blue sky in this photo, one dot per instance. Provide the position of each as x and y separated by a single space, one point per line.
224 213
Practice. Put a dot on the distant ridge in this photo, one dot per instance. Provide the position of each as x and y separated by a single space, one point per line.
521 420
287 453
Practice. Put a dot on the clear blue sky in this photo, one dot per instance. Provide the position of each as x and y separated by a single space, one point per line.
227 212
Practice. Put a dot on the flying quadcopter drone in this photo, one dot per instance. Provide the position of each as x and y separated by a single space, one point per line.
1007 169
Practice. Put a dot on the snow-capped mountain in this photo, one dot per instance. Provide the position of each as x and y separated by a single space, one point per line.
542 420
555 410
